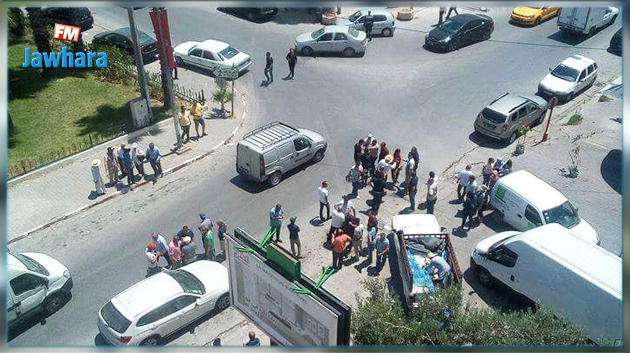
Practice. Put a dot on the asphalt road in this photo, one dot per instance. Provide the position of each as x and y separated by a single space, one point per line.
400 92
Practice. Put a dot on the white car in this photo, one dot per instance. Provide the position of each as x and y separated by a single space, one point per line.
340 39
569 78
211 54
162 304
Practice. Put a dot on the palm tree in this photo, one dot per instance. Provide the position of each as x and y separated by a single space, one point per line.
222 96
40 33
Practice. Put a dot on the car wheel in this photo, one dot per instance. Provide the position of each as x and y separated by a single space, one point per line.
513 137
537 21
591 31
487 35
484 277
151 341
54 303
387 32
498 216
349 52
451 47
275 178
319 155
223 302
568 98
307 51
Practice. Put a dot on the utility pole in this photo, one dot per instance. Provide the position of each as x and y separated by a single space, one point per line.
137 53
169 79
552 103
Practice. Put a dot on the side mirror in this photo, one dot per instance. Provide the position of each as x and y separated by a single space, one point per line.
198 302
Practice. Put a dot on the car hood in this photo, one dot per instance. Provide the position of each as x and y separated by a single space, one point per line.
343 21
585 231
312 135
184 48
525 11
304 38
483 246
439 34
238 59
53 266
212 274
556 84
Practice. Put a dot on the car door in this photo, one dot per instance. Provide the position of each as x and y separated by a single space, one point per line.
340 42
519 119
582 81
590 74
210 60
379 23
501 263
358 24
285 154
532 114
532 218
477 30
188 310
324 42
12 314
29 292
303 151
194 57
465 33
160 321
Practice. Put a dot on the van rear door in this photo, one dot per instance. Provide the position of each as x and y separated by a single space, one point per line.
247 161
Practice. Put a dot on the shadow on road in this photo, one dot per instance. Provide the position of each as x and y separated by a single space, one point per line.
486 142
26 325
255 187
496 297
567 38
611 169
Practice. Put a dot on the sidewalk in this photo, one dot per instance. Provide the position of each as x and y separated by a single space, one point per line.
66 187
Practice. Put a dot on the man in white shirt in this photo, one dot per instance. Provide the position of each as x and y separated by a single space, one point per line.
338 217
471 186
464 178
137 157
322 191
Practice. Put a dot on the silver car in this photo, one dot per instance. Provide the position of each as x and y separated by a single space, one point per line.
332 39
384 22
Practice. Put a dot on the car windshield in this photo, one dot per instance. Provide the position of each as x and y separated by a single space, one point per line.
355 16
566 215
114 319
318 33
353 32
565 73
501 242
190 284
229 52
493 116
451 26
32 264
144 38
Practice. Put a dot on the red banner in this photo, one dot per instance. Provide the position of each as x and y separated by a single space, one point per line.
160 17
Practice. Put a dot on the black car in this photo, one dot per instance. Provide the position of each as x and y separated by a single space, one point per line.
252 13
72 16
459 31
121 38
615 42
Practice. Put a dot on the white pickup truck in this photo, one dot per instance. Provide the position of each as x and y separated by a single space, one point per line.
586 20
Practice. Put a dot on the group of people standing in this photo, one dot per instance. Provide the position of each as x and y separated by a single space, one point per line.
196 114
125 159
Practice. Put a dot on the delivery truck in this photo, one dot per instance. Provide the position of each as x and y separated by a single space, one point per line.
586 20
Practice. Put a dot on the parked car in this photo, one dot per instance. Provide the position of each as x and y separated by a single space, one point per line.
211 54
507 114
524 201
160 305
121 38
533 15
37 283
586 20
72 16
569 78
384 22
459 31
616 42
252 13
579 281
332 39
270 151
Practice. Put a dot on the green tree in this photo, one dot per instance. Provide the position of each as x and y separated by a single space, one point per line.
17 22
441 319
40 33
222 96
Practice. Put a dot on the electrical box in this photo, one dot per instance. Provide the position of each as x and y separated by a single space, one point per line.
139 112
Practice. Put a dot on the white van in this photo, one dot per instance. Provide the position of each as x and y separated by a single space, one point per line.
524 201
37 283
579 281
586 20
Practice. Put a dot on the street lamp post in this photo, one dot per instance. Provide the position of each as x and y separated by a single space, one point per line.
137 53
552 103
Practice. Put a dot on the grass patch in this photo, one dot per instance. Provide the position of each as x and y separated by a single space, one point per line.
604 98
62 114
574 119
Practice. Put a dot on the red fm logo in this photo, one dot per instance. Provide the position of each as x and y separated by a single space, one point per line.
67 33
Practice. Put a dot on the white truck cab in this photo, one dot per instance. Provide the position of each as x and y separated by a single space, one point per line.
37 283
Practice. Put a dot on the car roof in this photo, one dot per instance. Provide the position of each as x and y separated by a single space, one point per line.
534 189
466 17
335 29
578 62
147 294
268 136
506 103
375 11
212 45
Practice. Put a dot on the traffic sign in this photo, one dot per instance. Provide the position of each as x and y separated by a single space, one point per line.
226 72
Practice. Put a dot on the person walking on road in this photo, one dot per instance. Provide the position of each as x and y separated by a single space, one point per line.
371 243
291 60
382 249
111 165
172 63
207 235
368 22
276 214
468 212
410 167
464 178
128 164
161 247
365 163
338 217
322 192
357 240
221 232
269 68
119 156
397 166
487 171
358 151
205 221
378 192
152 257
189 251
294 238
471 187
412 189
373 150
340 243
175 252
354 177
197 113
481 200
137 155
184 122
432 192
451 9
155 159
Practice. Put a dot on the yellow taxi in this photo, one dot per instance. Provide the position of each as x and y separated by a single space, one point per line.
533 15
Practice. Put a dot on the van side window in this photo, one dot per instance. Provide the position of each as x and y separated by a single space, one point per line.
24 283
301 144
532 215
504 256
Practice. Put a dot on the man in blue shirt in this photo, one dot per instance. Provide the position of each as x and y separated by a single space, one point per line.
382 248
276 215
155 159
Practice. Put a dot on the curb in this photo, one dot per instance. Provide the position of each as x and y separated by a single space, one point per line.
139 184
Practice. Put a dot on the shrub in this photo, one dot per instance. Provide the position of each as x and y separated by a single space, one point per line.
575 119
120 67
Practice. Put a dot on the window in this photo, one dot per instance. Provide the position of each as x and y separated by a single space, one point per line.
532 215
189 283
326 37
565 73
589 69
196 52
521 113
26 282
353 32
566 215
504 256
354 16
158 314
380 18
114 318
184 301
208 55
340 36
531 107
361 20
493 116
318 33
582 75
301 144
229 52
